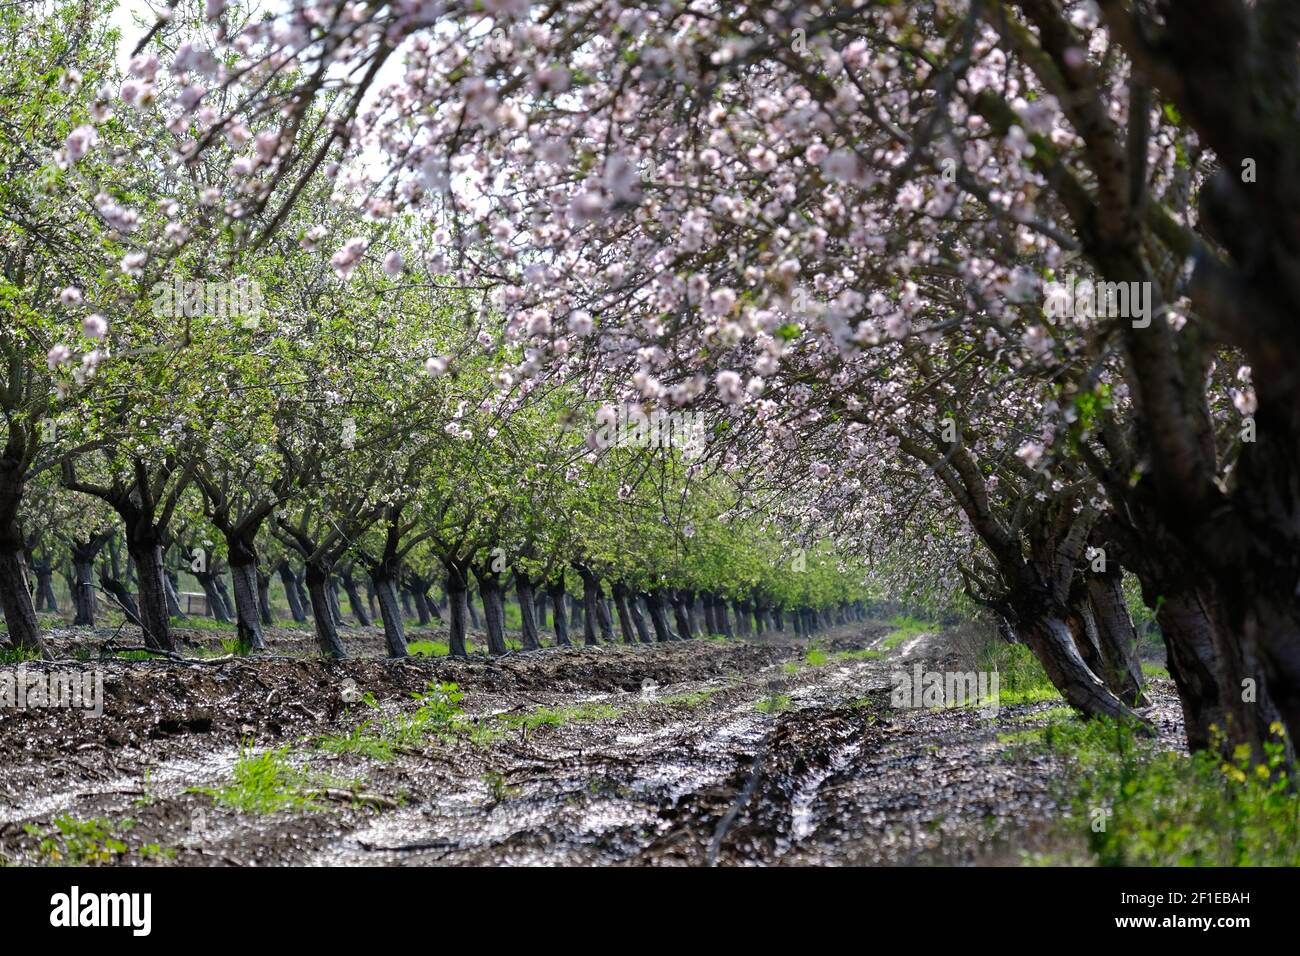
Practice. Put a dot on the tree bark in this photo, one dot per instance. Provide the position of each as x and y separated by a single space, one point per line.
590 598
457 592
321 594
654 602
524 591
680 613
555 591
291 591
1043 624
489 589
638 619
248 609
1117 636
359 609
384 580
264 597
624 615
147 556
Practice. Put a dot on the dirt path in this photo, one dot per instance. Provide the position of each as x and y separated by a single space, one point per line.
729 752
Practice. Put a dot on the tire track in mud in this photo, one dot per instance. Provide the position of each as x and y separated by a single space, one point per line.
665 771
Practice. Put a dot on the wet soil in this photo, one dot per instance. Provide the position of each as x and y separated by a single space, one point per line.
731 752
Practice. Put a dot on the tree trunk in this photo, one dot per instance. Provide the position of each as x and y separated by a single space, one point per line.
742 617
1083 628
83 571
489 589
384 580
720 617
359 609
335 607
524 591
291 591
170 583
473 616
457 592
710 619
590 597
422 616
45 596
624 615
555 591
1117 636
300 585
1047 633
20 613
248 609
654 602
216 604
147 556
638 619
603 618
680 607
264 597
321 594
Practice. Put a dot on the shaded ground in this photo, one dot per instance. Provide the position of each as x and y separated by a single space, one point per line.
739 752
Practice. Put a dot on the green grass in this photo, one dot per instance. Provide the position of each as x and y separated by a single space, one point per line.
690 700
1154 670
17 655
77 842
196 623
559 716
774 704
816 657
906 626
1137 805
428 648
1021 678
438 714
864 654
485 732
266 783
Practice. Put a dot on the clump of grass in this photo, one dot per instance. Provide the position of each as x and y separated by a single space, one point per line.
485 732
428 648
75 842
438 713
202 624
18 655
266 783
559 716
1021 678
361 740
906 626
1154 670
863 654
816 657
691 699
774 704
498 788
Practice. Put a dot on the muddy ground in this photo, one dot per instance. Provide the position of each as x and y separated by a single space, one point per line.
739 752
